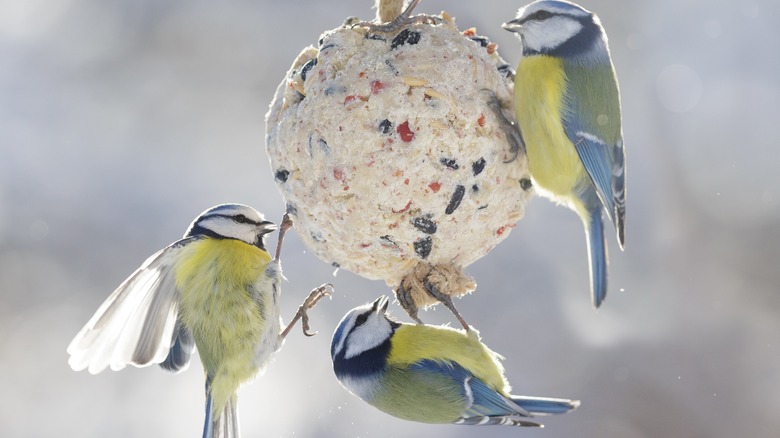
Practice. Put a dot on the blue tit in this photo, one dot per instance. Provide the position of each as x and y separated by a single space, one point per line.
217 290
429 374
568 111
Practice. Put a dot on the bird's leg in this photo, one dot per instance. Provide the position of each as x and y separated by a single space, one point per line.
511 129
447 301
401 21
286 224
326 290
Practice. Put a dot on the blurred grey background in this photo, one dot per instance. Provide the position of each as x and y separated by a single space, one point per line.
121 120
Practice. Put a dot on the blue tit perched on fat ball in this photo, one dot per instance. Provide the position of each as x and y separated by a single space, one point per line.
217 290
429 374
568 110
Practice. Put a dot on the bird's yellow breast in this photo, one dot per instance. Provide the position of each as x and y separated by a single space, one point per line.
228 305
413 343
555 166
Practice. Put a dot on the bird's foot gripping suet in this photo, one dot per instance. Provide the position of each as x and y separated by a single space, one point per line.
447 301
511 129
286 224
400 22
404 296
428 284
326 290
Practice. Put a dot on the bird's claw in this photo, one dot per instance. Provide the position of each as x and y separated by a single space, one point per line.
400 22
287 223
447 301
404 296
511 129
326 290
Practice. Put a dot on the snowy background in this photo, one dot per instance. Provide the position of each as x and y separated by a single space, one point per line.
121 120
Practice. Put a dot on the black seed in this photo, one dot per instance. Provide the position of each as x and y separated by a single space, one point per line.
478 166
457 196
317 237
425 225
423 247
321 144
319 43
306 67
406 36
482 207
350 21
475 188
481 40
506 71
399 39
281 175
392 67
387 240
385 126
450 162
376 37
414 38
336 264
525 183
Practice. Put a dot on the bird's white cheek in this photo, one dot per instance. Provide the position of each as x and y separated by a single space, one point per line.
549 34
371 334
358 345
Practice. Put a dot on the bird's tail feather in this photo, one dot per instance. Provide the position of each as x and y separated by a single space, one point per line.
544 405
597 257
208 425
226 425
506 420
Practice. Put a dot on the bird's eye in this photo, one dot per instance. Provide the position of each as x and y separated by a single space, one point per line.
241 219
361 319
542 15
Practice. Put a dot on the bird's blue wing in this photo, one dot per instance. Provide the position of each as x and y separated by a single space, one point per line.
488 402
446 368
136 324
591 120
484 401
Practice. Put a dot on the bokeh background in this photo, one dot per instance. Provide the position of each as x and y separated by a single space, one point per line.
121 120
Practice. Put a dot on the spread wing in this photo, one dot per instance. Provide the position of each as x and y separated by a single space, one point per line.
591 119
137 324
179 355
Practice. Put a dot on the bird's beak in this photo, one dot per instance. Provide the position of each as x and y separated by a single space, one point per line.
513 26
380 305
266 226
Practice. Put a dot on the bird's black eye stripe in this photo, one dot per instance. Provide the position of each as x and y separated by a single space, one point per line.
361 319
241 219
541 15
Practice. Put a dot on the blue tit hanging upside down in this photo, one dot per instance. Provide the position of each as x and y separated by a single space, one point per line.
428 373
568 109
216 289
